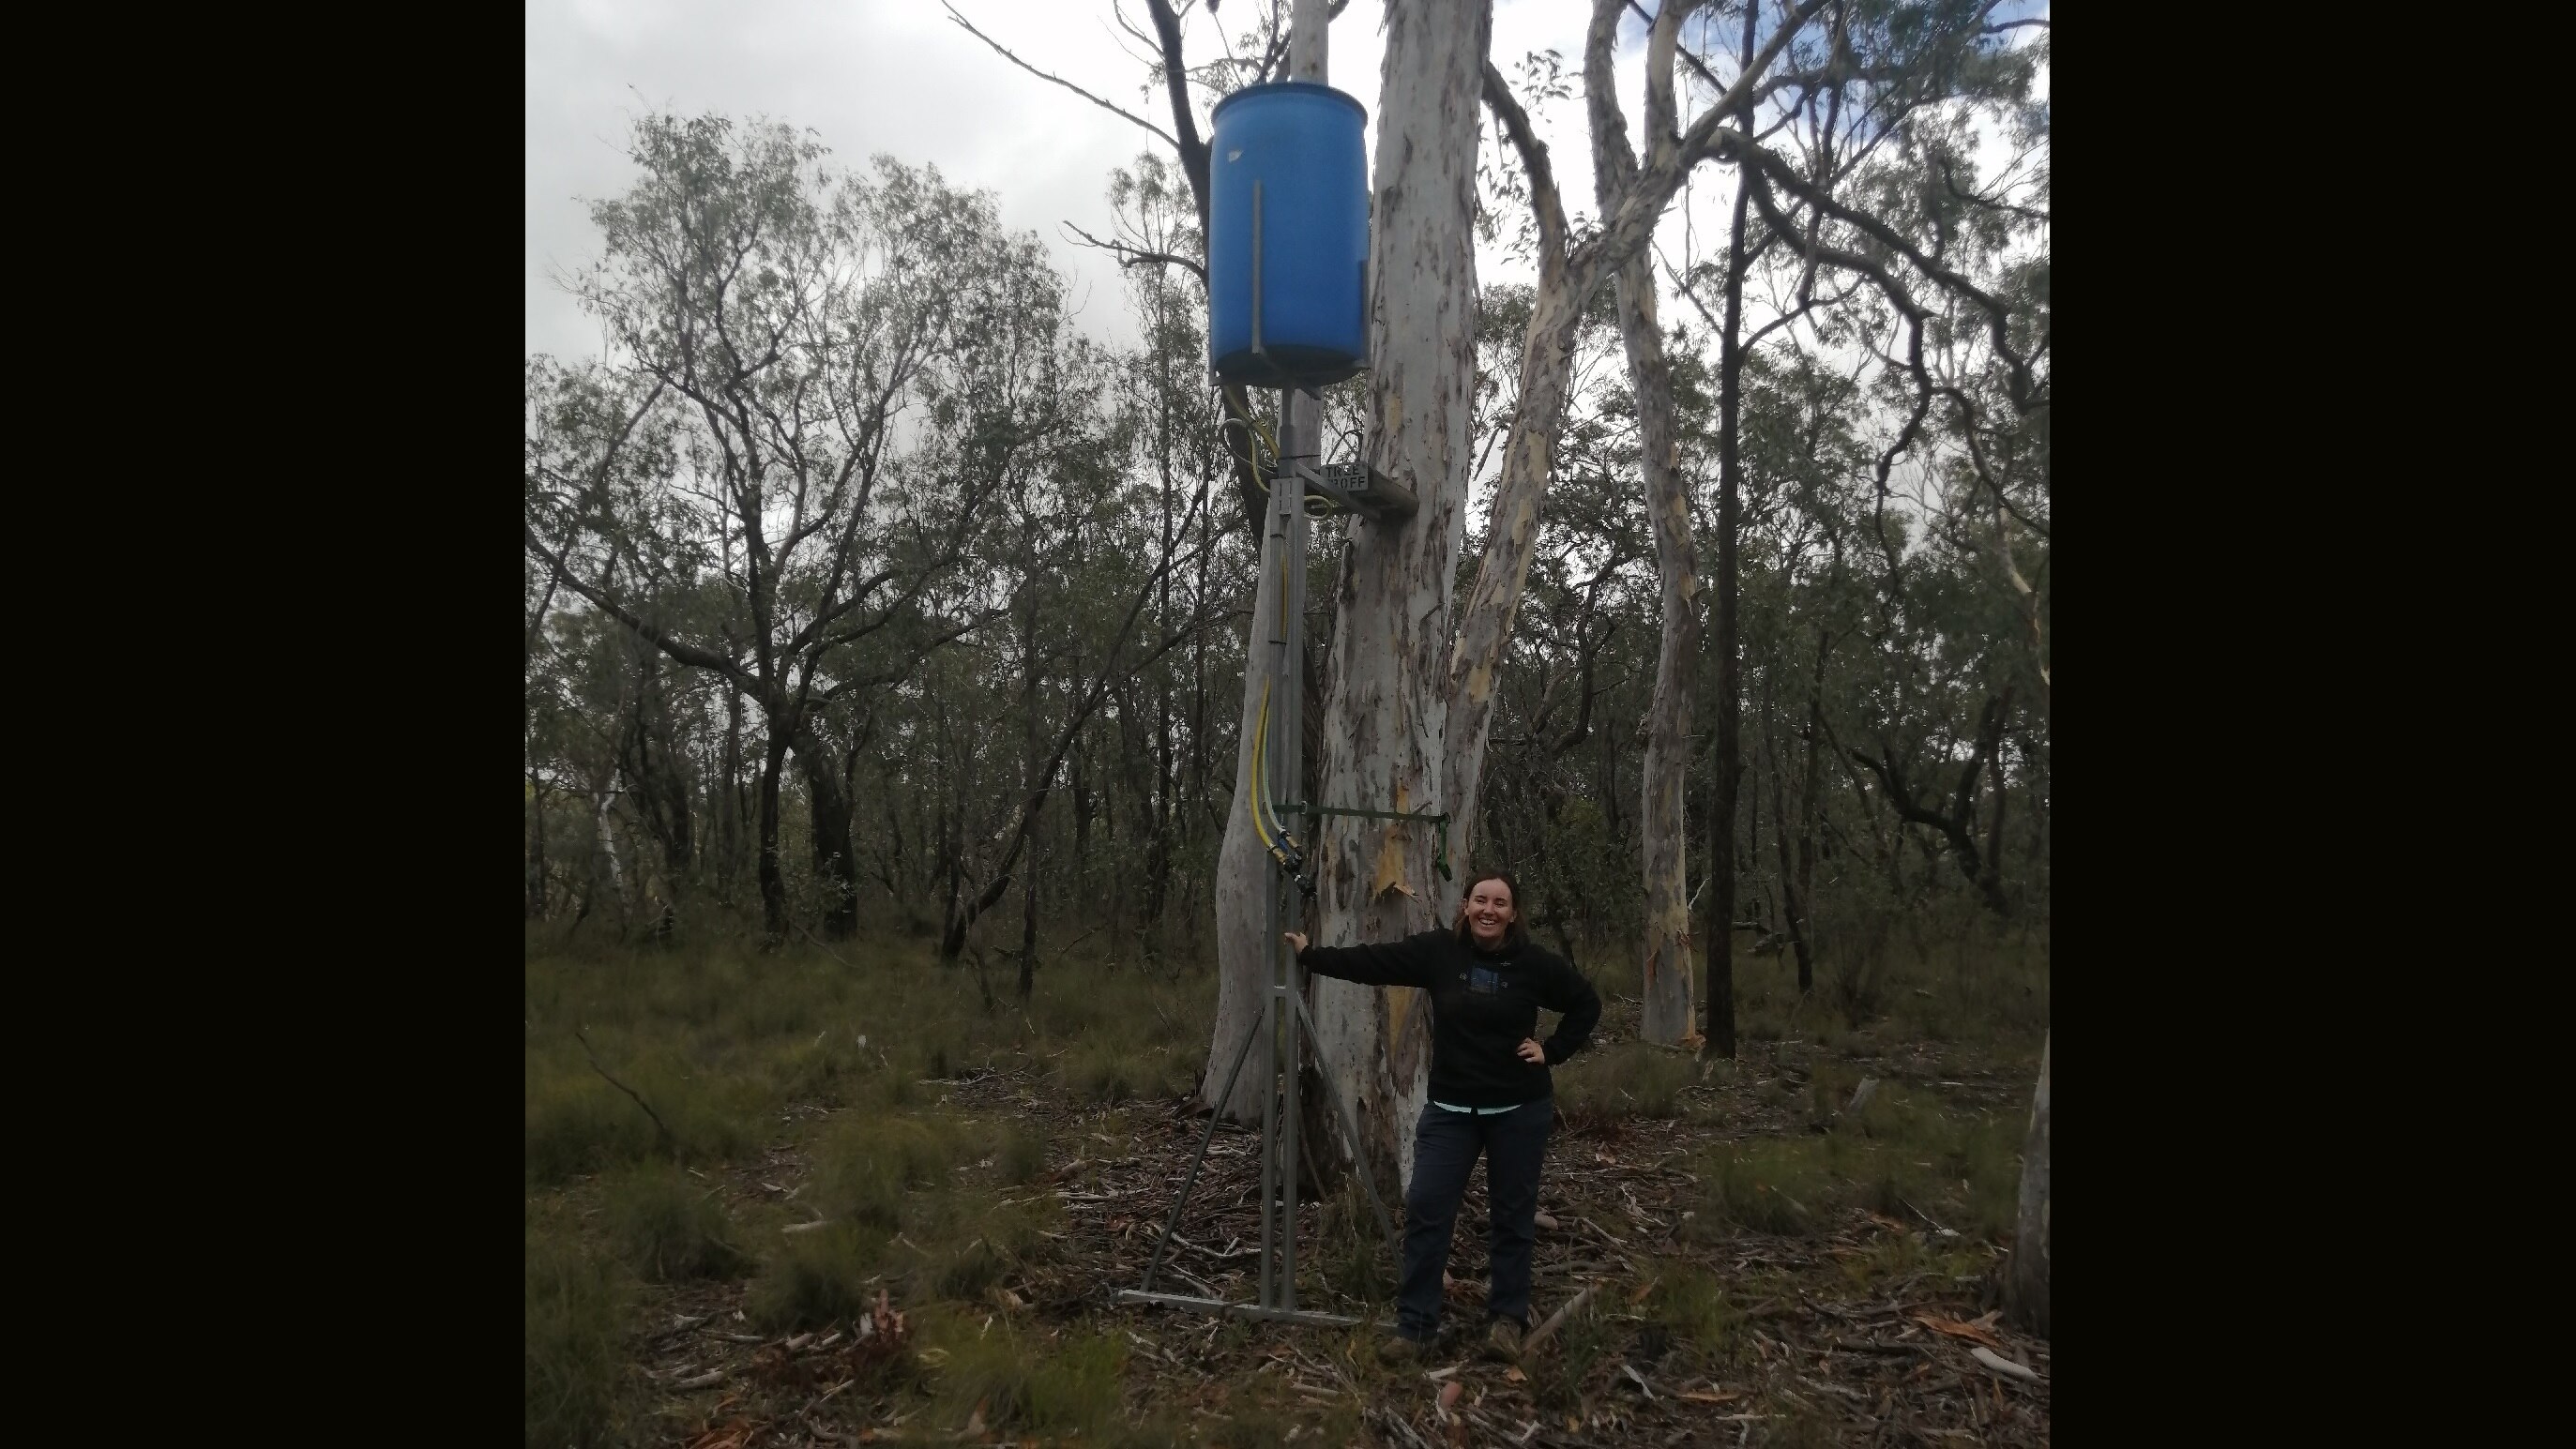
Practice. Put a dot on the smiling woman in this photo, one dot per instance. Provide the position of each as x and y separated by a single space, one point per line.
1491 1093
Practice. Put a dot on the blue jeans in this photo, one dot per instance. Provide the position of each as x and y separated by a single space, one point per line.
1445 1147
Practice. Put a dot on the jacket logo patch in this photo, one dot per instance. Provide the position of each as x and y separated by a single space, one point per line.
1483 981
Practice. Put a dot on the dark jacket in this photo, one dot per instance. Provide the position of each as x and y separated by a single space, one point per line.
1482 1007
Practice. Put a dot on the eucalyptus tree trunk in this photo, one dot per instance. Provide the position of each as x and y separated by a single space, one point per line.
1809 801
1669 998
536 847
2026 1289
2026 1283
605 867
1728 748
1385 721
836 868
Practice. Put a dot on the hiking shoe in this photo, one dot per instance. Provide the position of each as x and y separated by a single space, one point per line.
1503 1341
1395 1351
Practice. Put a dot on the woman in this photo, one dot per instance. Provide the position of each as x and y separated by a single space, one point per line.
1490 1093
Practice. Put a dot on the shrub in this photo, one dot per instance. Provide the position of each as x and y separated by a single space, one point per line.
1855 951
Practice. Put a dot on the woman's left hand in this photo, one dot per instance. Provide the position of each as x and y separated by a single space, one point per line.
1531 1051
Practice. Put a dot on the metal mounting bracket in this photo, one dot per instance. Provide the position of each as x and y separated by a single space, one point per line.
1358 488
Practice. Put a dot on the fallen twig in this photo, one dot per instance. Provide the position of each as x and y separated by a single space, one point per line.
2002 1365
659 1125
1557 1319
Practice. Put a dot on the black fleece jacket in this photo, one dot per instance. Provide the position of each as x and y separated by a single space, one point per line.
1483 1005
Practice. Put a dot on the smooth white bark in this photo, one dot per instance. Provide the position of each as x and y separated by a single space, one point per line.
1384 733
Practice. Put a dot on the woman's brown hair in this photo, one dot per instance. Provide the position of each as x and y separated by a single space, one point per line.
1515 934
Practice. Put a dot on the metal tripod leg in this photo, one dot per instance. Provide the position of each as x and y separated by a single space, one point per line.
1163 1244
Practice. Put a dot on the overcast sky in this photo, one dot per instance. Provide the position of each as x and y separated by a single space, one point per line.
899 76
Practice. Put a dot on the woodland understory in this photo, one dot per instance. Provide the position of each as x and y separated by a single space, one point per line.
1762 1260
891 694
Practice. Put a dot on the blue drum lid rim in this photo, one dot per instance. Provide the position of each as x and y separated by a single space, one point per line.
1291 87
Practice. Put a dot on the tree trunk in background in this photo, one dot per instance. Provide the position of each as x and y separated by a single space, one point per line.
2026 1282
1808 803
1029 933
773 880
828 811
536 848
1728 747
729 813
1990 873
604 865
1669 999
1385 732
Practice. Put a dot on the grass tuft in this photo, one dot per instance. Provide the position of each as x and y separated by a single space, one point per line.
1061 1383
865 1164
1690 1303
669 1227
577 1303
829 1275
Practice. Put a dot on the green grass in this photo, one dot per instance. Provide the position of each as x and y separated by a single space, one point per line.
1057 1383
1630 1080
1020 1154
826 1276
1946 972
669 1227
1557 1375
1903 1154
1690 1303
734 1050
866 1165
577 1310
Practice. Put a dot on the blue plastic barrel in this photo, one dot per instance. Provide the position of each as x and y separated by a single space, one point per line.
1287 236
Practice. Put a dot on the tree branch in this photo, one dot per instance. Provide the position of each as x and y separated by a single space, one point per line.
1135 256
1550 209
1004 51
1185 124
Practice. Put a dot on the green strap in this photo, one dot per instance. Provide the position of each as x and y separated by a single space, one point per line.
1439 861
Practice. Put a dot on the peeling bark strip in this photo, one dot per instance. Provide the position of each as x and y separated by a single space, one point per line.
1385 722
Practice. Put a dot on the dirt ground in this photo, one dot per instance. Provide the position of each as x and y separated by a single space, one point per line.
1818 1353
